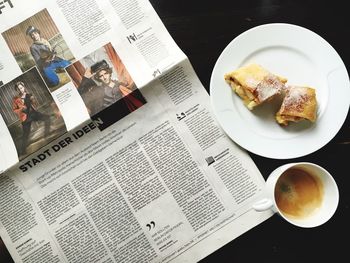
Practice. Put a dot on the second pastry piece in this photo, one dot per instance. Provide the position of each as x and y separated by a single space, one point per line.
255 84
299 104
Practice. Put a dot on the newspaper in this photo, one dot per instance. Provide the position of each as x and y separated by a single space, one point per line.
109 148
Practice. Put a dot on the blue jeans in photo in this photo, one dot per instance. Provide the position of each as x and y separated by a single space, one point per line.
50 70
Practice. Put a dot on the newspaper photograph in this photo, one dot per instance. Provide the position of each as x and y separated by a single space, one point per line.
37 42
27 102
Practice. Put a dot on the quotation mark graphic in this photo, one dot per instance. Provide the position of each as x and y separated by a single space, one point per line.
151 225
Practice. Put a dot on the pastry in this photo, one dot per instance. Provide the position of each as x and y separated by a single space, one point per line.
255 84
298 104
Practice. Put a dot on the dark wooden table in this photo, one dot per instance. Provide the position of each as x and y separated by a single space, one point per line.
202 29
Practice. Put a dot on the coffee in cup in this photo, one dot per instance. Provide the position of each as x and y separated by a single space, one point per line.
304 194
298 193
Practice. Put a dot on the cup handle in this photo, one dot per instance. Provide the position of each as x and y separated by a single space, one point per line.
263 205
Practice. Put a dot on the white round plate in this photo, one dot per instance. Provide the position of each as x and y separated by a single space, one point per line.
304 58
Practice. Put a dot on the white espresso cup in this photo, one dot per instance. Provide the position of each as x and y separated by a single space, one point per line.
304 194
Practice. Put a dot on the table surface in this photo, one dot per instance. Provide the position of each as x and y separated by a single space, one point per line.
202 29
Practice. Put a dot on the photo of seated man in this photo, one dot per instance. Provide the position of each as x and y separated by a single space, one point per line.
37 42
46 57
30 113
103 81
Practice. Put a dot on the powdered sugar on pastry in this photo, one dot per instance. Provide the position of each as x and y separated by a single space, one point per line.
295 98
269 87
298 104
254 84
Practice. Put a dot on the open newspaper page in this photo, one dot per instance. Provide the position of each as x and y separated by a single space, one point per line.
146 177
162 184
52 55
